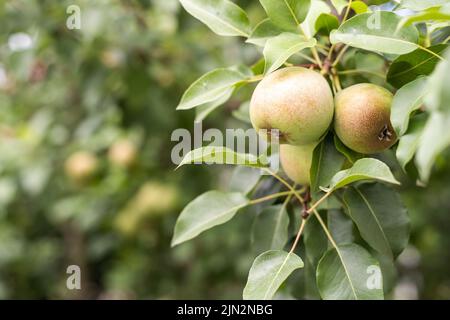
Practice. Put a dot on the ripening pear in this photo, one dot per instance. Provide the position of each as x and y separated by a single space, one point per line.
296 101
122 153
296 162
362 118
81 166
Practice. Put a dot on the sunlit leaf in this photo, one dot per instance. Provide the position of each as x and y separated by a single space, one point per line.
206 211
409 142
202 111
419 5
210 87
434 139
220 155
268 272
407 100
339 5
316 10
286 14
377 32
222 16
366 169
263 31
282 47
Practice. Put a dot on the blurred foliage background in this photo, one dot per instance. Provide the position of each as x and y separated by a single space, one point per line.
86 118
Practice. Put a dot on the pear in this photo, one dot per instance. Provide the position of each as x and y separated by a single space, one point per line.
296 101
362 118
123 153
81 166
296 162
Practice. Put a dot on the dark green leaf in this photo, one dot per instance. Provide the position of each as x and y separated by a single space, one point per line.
408 67
326 162
380 216
270 231
349 273
351 155
315 240
326 23
340 226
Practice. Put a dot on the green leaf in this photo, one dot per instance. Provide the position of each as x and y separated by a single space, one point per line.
309 25
339 5
359 7
432 14
407 100
213 86
408 67
268 272
434 139
377 32
222 16
282 47
310 283
243 112
326 162
263 31
380 216
419 5
220 155
409 142
349 273
340 226
286 14
270 231
244 179
315 240
202 111
206 211
368 169
326 23
351 155
438 95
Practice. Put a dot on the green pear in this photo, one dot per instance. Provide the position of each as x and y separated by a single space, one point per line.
296 101
362 118
296 162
